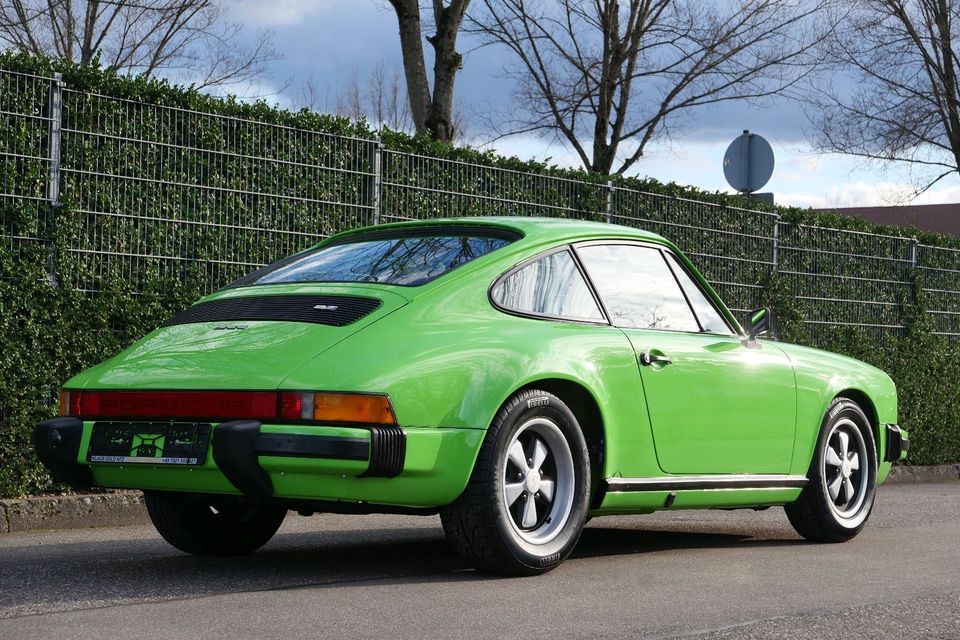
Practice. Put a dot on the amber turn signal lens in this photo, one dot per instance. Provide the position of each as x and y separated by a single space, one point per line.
352 407
64 402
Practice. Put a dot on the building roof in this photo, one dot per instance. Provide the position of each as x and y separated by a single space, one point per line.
939 218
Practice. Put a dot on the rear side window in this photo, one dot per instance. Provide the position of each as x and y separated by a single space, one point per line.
550 286
408 260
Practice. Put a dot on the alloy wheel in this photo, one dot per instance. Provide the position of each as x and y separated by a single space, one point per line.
846 479
538 481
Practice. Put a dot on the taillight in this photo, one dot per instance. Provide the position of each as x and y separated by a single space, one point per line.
367 408
201 405
69 402
228 405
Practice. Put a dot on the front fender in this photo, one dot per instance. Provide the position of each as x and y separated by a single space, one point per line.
822 376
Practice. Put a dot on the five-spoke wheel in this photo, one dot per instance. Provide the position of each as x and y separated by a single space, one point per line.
527 499
846 485
538 480
837 500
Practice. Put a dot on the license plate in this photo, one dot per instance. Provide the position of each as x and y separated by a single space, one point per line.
149 442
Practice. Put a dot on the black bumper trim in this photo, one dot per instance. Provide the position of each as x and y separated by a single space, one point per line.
57 443
897 443
235 453
237 446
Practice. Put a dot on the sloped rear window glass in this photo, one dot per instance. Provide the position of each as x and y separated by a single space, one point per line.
407 260
551 286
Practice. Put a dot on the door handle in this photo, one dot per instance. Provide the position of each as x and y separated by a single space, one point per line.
647 359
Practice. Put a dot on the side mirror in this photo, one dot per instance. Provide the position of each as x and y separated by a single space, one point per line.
761 320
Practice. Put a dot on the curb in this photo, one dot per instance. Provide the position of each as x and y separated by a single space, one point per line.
126 507
72 512
905 474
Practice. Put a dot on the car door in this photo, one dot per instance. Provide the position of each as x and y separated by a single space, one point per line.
717 404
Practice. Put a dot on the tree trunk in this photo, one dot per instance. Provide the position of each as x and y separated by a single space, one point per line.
447 63
432 115
415 71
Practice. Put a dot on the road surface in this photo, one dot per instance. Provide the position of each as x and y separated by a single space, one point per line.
703 574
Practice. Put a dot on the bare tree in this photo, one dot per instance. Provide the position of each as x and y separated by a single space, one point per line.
609 76
381 99
432 112
186 40
893 94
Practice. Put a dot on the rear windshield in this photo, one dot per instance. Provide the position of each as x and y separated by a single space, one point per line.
407 260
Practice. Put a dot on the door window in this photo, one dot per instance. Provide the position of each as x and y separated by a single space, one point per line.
551 286
710 318
637 287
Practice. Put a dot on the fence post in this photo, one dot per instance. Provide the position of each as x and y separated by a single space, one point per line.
776 243
52 190
913 258
608 212
376 170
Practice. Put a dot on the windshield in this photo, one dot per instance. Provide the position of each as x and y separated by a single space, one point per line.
407 260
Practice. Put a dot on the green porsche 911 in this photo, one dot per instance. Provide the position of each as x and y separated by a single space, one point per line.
516 375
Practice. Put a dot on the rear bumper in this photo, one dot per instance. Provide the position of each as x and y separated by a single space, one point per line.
411 467
57 443
238 445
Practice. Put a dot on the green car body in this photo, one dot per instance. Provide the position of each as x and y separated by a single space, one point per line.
731 422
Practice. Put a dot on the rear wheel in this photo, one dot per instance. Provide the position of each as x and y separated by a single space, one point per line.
205 526
526 502
838 499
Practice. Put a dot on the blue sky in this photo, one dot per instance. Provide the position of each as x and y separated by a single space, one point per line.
334 40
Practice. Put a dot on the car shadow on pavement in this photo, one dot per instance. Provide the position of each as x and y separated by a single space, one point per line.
82 574
602 541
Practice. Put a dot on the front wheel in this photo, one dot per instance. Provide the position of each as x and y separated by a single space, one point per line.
838 499
205 526
525 505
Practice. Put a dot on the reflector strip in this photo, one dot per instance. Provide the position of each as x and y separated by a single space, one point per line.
206 405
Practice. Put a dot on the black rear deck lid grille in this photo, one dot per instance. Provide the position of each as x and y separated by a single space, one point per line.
335 311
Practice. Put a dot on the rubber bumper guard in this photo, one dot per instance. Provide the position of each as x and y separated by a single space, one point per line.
897 444
57 443
237 446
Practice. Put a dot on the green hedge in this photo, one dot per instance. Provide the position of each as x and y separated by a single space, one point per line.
183 239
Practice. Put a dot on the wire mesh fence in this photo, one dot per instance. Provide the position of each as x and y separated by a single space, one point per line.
27 129
134 191
940 269
847 278
228 196
419 187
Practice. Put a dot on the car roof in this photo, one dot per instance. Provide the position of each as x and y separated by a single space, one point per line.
531 228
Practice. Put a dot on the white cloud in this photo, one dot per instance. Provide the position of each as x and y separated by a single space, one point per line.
869 194
275 13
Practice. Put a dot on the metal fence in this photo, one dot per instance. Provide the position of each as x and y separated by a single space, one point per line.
140 190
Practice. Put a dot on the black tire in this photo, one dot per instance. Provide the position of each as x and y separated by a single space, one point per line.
203 526
499 536
838 499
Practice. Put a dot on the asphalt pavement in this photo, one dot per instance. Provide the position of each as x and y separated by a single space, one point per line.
705 574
